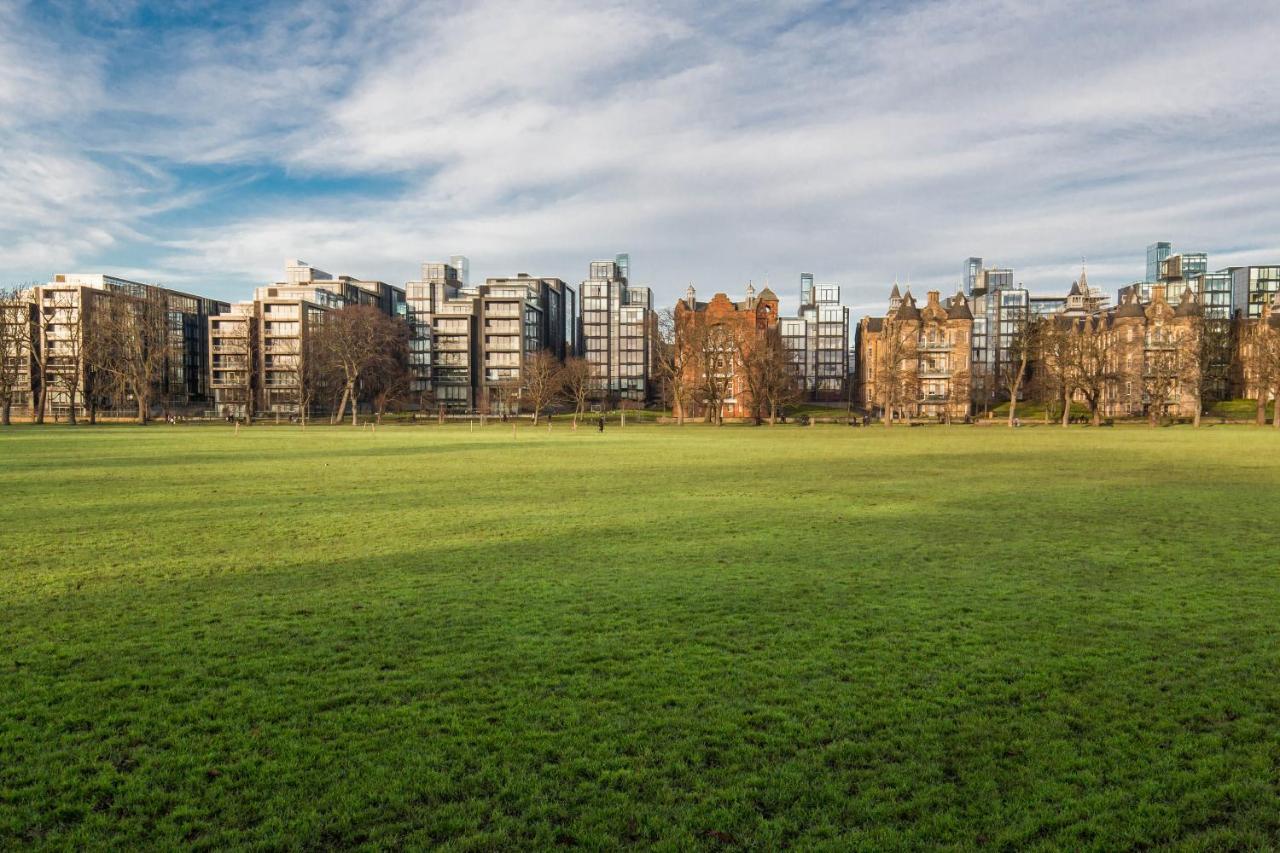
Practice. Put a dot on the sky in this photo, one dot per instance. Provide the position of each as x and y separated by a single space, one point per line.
201 144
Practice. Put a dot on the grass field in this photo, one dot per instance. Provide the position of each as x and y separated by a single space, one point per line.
682 638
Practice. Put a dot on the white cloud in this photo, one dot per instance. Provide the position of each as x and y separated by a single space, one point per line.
715 142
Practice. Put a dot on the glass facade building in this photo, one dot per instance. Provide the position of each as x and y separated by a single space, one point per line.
618 325
1252 288
817 341
1156 253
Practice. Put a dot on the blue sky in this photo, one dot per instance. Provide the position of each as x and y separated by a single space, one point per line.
200 144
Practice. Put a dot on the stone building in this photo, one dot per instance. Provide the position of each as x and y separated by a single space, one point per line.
916 360
737 324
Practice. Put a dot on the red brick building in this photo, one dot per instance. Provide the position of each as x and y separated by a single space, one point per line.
720 331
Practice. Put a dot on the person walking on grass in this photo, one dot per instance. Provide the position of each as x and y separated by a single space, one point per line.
602 423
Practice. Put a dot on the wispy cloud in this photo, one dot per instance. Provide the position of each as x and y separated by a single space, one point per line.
716 142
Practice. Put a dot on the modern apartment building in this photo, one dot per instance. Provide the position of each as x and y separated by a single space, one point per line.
1156 254
519 317
618 330
260 346
1252 288
817 339
468 345
1000 309
65 316
969 281
1171 271
1214 291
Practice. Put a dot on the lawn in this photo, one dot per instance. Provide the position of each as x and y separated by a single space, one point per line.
659 636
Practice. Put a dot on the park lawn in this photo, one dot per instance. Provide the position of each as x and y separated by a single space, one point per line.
659 636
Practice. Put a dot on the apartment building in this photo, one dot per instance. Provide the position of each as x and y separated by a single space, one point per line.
817 340
743 321
924 353
469 345
259 346
65 311
619 328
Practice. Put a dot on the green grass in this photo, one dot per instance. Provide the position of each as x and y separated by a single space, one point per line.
1240 410
660 637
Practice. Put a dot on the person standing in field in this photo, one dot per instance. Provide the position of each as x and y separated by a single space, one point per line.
602 423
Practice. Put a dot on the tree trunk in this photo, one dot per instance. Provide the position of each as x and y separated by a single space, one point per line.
5 410
93 411
1013 404
1261 415
38 410
773 414
350 394
142 411
71 410
1195 419
536 413
1275 412
336 417
1095 414
1066 407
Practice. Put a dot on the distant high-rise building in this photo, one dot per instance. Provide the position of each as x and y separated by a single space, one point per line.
1156 253
972 268
618 328
623 260
463 267
817 339
469 345
64 312
999 310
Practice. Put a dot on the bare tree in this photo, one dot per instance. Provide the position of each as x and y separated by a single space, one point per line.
1260 357
389 379
714 352
354 339
575 380
134 344
768 372
675 360
17 325
1206 360
542 381
895 362
1162 369
1024 343
1090 368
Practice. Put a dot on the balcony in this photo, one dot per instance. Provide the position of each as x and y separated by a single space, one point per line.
934 346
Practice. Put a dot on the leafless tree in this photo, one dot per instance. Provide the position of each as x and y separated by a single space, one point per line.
674 362
895 363
1090 368
1024 343
1206 360
17 325
1051 374
134 345
767 371
575 380
714 353
542 381
1161 371
354 339
1260 357
389 379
